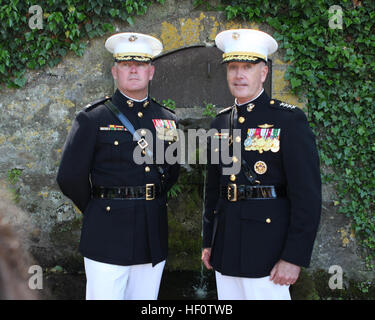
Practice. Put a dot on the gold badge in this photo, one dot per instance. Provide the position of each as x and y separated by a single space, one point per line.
260 167
250 107
265 126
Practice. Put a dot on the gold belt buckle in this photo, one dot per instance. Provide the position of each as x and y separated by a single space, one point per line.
231 187
150 188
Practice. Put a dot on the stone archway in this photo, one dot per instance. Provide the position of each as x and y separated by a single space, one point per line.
194 76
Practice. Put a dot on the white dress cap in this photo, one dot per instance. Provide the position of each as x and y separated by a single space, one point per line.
128 46
245 45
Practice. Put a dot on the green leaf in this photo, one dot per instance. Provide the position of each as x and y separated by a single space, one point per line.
295 82
130 21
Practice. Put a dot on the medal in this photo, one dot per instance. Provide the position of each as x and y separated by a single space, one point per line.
165 129
275 146
260 167
263 138
275 140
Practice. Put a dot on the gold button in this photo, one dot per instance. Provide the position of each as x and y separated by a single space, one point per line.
143 152
108 208
235 159
268 220
147 169
140 114
146 103
232 177
238 139
216 149
115 143
143 132
241 119
272 101
130 103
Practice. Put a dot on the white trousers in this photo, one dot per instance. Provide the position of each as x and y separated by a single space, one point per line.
239 288
113 282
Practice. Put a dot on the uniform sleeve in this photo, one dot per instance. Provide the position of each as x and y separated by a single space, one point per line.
301 165
73 176
211 198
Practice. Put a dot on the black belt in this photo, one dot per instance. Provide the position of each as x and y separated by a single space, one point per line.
234 192
147 192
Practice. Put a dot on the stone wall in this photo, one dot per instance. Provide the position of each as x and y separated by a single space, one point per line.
36 119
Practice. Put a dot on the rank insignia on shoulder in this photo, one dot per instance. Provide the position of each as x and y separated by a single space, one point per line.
287 105
282 105
92 105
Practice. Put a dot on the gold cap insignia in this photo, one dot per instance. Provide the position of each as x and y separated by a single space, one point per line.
235 35
132 38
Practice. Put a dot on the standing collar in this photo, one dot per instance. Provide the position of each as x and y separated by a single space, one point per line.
247 102
121 100
128 98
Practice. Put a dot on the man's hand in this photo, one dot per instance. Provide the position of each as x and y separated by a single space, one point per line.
284 273
206 255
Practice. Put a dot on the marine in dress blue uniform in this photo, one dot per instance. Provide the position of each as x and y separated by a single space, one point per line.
124 204
260 224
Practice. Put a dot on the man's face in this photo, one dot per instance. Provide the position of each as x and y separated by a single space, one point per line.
133 77
245 79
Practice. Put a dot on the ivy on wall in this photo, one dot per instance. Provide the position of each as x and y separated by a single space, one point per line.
35 34
332 65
